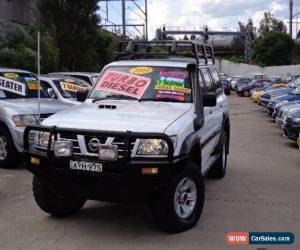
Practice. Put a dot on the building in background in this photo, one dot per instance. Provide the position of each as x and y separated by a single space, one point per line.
19 11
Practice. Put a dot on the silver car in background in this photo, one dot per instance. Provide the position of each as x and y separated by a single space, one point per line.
19 108
89 77
65 88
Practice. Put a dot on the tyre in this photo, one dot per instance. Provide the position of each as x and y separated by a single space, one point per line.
218 170
178 207
9 156
55 204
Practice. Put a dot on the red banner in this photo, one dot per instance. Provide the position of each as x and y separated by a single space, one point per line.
124 84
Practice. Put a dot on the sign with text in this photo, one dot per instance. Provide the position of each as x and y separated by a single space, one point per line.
124 84
12 86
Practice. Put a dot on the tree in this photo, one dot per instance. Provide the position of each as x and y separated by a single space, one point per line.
273 48
270 23
73 24
18 48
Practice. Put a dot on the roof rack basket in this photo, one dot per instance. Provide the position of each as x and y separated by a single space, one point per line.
164 49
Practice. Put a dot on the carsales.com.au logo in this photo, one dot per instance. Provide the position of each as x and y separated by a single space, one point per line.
259 238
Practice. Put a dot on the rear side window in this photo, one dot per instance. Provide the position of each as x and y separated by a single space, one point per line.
216 79
207 81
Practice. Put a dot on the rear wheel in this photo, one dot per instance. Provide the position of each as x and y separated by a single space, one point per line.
178 207
218 170
9 156
59 205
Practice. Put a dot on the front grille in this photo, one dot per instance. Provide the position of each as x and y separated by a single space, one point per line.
265 96
88 141
120 142
289 120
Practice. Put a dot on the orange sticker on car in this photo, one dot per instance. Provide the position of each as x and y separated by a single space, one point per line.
71 87
141 70
124 84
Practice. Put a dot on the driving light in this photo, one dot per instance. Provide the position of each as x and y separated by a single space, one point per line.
24 120
108 152
153 147
63 149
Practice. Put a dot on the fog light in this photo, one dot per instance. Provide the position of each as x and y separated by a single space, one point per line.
35 161
63 149
108 152
149 171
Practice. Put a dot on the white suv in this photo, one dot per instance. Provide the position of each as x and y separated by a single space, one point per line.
153 125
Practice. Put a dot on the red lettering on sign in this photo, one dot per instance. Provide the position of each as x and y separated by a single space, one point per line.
124 84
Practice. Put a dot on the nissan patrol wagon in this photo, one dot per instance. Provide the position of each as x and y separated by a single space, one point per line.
153 126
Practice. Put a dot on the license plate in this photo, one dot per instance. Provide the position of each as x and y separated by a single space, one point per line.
86 166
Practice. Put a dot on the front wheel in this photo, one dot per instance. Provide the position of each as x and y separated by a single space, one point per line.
178 207
9 156
59 205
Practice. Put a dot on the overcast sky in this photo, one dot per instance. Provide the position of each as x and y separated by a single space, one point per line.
217 14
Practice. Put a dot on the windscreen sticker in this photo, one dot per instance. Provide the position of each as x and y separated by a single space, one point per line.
66 86
12 86
11 75
170 95
174 74
124 84
33 86
173 88
141 70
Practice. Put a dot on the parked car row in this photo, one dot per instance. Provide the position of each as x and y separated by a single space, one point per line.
21 107
281 101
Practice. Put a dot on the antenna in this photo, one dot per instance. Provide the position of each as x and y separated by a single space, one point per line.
39 75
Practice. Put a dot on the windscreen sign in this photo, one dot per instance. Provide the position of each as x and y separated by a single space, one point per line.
124 84
12 86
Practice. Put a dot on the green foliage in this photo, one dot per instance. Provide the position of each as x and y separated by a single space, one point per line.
273 48
73 25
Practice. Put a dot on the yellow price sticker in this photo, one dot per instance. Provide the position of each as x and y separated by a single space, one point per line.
11 75
141 70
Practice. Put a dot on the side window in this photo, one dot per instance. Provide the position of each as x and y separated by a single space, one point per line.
49 89
210 89
215 77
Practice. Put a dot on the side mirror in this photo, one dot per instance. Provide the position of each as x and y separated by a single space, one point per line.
82 95
51 93
209 100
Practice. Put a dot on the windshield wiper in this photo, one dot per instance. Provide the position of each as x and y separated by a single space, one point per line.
121 97
154 100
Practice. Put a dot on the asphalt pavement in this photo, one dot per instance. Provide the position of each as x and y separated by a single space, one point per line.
261 192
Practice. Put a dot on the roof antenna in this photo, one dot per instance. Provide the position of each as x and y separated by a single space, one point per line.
39 77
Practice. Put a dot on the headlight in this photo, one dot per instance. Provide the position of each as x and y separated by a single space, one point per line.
24 120
63 149
153 147
296 120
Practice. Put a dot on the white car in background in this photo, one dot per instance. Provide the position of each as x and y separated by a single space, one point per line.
89 77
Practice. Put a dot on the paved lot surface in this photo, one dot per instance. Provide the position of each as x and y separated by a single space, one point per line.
260 193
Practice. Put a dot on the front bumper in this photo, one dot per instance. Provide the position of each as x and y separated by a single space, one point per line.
124 179
263 102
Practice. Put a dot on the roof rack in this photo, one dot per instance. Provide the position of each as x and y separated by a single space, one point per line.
163 49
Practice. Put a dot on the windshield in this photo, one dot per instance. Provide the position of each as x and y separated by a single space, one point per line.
163 84
69 87
294 83
296 91
20 85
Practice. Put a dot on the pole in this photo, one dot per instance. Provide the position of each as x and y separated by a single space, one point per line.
124 18
146 18
39 77
291 17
